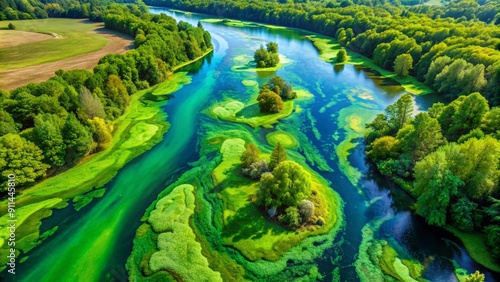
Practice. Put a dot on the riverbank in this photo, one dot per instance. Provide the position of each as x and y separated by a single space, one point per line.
142 126
329 47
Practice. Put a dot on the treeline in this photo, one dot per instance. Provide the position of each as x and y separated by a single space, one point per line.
449 158
48 125
453 57
40 9
487 11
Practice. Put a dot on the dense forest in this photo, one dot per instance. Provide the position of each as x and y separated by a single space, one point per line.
449 158
35 9
454 57
54 124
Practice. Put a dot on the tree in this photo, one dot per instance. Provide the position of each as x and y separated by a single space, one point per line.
77 138
21 158
261 57
462 214
287 186
11 26
475 277
47 135
306 210
279 86
425 137
468 116
269 57
272 47
250 155
383 148
7 123
435 185
91 104
403 64
277 156
341 55
491 121
400 112
101 133
270 102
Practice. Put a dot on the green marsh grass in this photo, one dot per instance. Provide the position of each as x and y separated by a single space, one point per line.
286 139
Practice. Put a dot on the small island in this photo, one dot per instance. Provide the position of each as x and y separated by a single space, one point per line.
267 57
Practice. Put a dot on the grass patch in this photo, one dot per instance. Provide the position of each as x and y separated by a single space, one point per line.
235 111
140 134
328 48
70 38
81 201
177 250
476 247
173 84
286 139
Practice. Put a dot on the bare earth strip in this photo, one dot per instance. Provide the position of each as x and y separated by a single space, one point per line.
118 44
12 38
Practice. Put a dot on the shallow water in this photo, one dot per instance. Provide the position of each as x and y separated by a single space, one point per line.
94 244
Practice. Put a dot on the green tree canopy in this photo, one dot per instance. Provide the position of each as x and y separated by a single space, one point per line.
270 102
22 158
77 138
47 135
403 64
287 186
277 156
341 55
279 86
250 155
400 112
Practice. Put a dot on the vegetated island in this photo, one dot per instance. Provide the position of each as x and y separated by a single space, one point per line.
242 214
81 127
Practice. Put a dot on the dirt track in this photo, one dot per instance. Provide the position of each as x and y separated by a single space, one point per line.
119 43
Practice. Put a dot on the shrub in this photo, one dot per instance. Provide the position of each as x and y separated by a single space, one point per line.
306 210
291 217
11 26
341 56
256 169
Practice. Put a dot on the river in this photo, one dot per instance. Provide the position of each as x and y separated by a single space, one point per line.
94 243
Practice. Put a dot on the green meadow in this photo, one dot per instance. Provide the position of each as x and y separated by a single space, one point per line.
70 38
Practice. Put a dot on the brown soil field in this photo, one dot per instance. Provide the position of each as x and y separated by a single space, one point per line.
119 43
13 38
